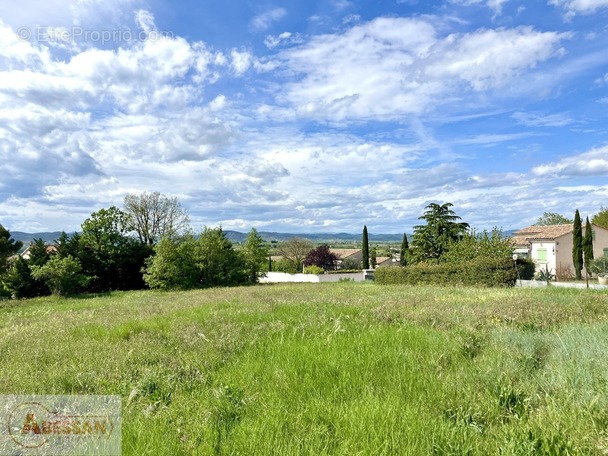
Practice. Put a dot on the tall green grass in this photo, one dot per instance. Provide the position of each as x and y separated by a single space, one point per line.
327 368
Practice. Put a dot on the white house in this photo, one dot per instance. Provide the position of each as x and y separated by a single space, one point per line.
550 247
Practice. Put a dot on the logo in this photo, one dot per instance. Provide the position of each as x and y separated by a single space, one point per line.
63 425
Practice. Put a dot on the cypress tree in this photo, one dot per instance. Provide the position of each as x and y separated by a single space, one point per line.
588 245
404 251
577 245
365 249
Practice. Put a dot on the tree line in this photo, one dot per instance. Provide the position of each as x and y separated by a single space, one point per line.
147 243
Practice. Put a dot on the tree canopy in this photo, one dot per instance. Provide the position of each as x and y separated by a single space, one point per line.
601 218
8 247
294 251
552 218
442 227
321 257
153 216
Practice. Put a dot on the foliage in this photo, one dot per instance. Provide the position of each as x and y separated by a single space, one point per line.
322 257
481 271
473 245
294 251
442 228
153 216
255 254
552 218
404 252
8 247
107 253
284 265
313 269
588 244
63 276
373 257
545 275
351 264
601 218
365 249
599 266
172 265
217 261
19 281
577 245
187 263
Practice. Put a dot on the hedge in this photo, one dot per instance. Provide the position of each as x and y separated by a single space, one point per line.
489 272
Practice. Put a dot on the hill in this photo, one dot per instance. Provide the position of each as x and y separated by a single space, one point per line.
238 237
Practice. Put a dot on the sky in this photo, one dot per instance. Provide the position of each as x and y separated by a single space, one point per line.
304 116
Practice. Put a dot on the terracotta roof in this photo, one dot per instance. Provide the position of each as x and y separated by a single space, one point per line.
345 253
525 235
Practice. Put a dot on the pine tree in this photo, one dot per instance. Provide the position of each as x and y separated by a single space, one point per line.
404 251
588 244
577 245
365 248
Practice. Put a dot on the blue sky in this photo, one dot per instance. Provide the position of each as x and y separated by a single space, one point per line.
316 116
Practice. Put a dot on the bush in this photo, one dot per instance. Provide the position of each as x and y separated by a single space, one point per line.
284 266
350 264
313 270
489 272
63 276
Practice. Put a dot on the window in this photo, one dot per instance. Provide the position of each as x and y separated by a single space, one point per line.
541 254
606 252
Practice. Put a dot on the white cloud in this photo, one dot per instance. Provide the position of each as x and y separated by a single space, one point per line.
539 120
494 5
591 163
391 67
573 7
265 20
241 61
285 38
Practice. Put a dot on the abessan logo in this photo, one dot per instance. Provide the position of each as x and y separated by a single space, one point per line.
61 425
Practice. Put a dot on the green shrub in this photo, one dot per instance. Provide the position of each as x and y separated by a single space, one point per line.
313 270
284 266
489 272
526 269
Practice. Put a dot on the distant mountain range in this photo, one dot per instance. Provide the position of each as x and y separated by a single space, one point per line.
237 236
269 236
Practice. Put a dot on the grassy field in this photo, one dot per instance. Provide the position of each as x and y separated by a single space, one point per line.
319 369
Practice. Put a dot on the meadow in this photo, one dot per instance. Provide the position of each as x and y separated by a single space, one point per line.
326 369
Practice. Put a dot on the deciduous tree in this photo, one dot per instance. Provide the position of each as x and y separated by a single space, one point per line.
601 218
294 251
255 254
62 275
552 218
153 216
321 257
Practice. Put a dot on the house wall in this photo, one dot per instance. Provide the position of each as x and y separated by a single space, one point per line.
564 253
283 277
600 242
550 262
564 247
